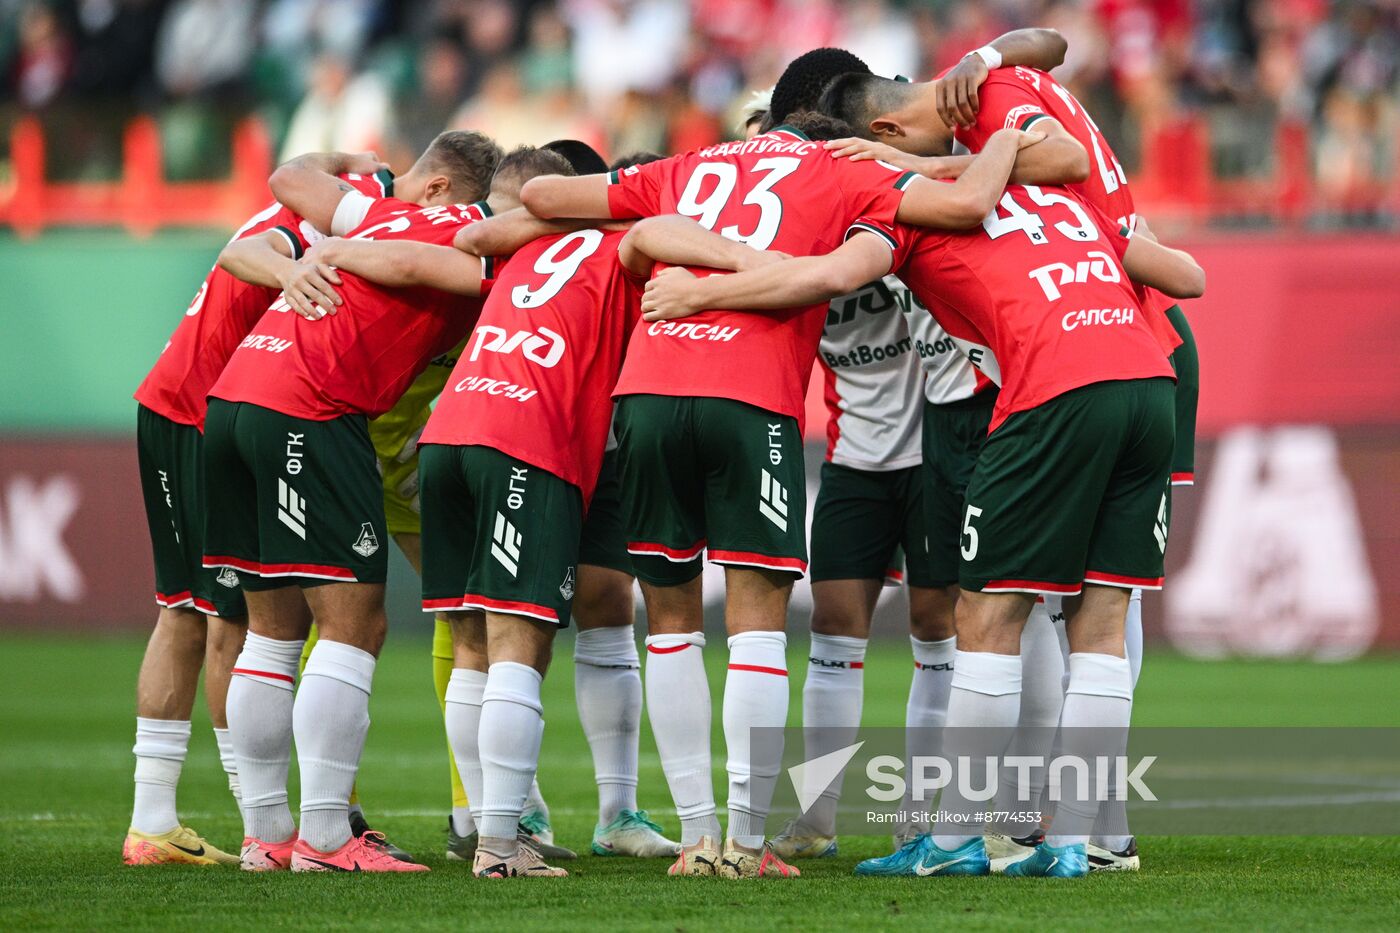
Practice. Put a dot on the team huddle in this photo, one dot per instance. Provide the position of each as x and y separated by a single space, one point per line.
547 378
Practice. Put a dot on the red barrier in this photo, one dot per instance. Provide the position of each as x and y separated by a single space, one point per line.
1298 331
142 200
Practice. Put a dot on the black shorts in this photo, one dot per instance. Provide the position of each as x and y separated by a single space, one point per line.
170 458
863 519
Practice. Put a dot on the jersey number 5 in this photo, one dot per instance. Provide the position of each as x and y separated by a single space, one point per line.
706 210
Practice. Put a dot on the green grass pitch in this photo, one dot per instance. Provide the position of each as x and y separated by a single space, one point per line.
66 710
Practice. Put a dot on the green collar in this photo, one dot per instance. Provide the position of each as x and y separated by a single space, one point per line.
788 128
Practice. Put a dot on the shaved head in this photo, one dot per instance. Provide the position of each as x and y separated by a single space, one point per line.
860 99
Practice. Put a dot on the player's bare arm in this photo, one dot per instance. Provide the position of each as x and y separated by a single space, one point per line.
791 283
956 94
266 260
1173 271
402 264
680 241
962 204
866 150
1058 159
506 232
554 196
309 186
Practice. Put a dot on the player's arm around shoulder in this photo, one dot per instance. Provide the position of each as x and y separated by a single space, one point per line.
680 241
962 204
1059 159
506 232
1173 271
403 264
309 186
791 283
272 260
957 97
554 196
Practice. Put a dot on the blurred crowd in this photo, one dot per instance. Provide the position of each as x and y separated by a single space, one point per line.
670 75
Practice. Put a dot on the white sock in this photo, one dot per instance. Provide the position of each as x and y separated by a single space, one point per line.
330 721
230 764
926 711
1111 827
831 703
1042 685
678 702
1055 606
160 750
1098 707
608 691
986 696
1132 635
462 718
260 721
755 697
512 725
535 799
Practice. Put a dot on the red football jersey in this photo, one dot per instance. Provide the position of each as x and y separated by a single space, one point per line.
537 375
223 311
1016 98
1036 296
361 359
777 191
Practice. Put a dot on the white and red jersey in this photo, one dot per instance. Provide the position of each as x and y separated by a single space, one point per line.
537 376
1016 98
361 359
777 191
872 379
949 375
223 311
1036 295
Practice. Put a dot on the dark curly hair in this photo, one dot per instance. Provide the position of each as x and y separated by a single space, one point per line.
818 126
805 78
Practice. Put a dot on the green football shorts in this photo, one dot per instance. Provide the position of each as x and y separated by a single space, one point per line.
953 435
292 501
170 457
1073 491
499 534
863 519
1188 393
710 473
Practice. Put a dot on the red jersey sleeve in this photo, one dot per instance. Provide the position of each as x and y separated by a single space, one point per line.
290 230
872 190
901 238
1007 103
636 191
491 268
